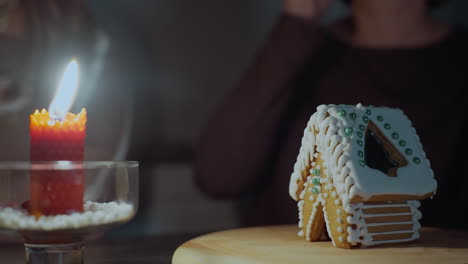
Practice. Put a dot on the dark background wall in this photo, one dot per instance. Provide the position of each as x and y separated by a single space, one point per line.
185 55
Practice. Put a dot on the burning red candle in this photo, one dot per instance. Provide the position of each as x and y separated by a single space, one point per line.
58 135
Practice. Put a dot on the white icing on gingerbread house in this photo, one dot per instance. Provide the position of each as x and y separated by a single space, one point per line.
369 154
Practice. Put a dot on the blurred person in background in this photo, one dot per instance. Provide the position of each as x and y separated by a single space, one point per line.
38 38
387 52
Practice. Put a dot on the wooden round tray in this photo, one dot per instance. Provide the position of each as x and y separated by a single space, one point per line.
280 244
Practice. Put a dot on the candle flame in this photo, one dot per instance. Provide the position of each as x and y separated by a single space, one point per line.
66 92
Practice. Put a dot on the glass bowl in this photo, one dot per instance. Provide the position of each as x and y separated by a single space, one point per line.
54 207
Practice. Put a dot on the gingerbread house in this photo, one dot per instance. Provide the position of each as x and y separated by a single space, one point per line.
359 176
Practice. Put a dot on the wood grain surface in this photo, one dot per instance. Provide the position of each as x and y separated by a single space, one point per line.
280 244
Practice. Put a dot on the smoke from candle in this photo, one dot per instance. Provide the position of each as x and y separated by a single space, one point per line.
66 91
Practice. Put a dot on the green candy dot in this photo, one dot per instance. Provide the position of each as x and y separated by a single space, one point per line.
365 119
348 131
359 142
316 181
380 118
362 163
395 135
362 127
352 116
359 133
416 160
360 153
402 143
409 151
315 190
316 172
387 126
342 113
368 112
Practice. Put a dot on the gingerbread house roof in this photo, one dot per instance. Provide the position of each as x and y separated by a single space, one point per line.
369 152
